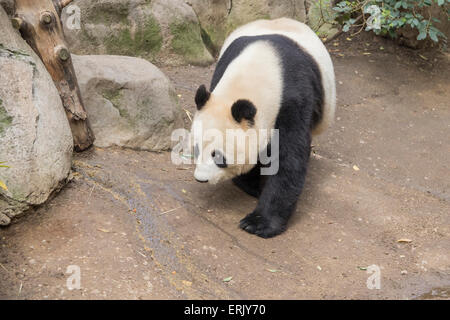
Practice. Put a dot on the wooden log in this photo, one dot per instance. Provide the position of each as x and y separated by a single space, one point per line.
39 23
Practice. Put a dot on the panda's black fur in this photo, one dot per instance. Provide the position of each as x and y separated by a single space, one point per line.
300 111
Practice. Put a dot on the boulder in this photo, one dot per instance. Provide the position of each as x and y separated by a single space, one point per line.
162 31
220 17
35 138
130 102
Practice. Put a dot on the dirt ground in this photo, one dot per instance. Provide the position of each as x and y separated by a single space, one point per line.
139 227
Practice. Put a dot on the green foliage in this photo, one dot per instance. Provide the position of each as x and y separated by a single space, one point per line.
385 17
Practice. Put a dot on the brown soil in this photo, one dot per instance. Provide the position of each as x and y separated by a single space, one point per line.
141 228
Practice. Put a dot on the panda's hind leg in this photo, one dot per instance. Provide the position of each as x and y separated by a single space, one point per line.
250 182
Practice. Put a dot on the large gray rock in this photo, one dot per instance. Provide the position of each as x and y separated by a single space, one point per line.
163 31
35 137
130 102
220 17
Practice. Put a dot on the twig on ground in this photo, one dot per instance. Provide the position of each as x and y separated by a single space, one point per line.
169 211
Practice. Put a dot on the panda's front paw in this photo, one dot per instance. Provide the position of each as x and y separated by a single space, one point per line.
262 226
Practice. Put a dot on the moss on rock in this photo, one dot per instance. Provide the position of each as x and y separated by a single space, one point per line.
188 43
145 42
115 97
107 14
5 118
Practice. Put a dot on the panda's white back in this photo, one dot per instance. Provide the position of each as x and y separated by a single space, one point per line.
308 41
256 75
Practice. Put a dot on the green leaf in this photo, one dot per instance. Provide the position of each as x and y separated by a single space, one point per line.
362 268
433 35
228 279
422 36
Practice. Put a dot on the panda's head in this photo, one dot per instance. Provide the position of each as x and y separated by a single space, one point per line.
217 127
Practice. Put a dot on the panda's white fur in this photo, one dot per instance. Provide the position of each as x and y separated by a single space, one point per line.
308 41
237 83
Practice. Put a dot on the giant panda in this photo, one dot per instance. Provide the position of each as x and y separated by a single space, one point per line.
271 74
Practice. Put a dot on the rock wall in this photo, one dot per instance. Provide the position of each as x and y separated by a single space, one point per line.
219 18
162 31
169 32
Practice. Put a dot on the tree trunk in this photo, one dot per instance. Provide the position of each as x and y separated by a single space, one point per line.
39 22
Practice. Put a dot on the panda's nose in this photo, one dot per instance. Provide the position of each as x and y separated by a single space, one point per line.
201 181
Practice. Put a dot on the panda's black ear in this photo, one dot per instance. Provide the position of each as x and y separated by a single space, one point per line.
202 97
244 109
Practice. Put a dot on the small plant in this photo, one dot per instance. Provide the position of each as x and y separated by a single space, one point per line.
2 184
385 17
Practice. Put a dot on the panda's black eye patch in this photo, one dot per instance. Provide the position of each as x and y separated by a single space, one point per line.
219 159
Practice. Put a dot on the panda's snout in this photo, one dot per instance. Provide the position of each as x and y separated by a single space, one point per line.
202 174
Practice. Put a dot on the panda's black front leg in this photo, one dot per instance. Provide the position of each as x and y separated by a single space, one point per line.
281 191
250 182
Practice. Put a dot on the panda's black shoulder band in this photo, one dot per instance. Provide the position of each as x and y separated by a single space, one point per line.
202 97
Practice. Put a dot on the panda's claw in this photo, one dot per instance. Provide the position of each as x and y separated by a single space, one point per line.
261 226
249 223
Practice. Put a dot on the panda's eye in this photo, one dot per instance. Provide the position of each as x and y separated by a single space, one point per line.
219 159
